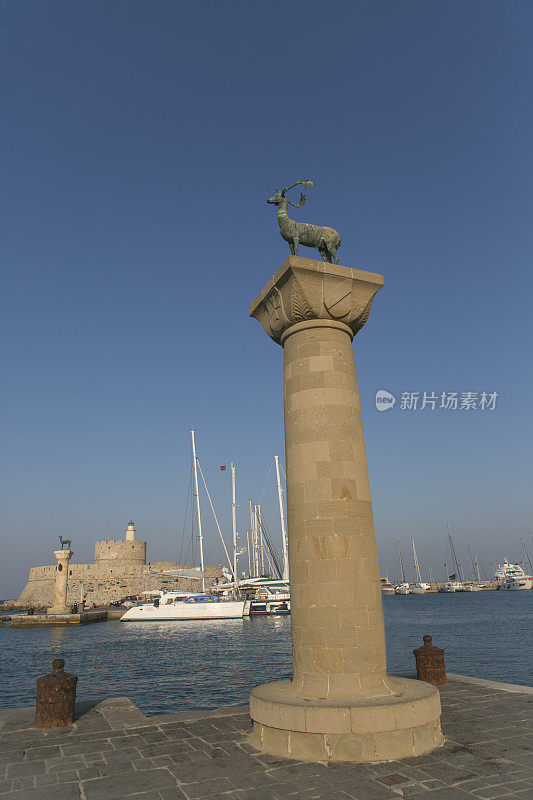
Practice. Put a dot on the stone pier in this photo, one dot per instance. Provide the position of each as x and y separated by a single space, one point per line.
59 605
340 705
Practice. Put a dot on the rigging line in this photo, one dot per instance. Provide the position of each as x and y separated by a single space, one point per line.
190 541
185 518
270 548
216 520
526 554
265 483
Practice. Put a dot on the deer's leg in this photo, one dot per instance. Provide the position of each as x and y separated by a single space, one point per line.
323 250
295 243
332 252
291 246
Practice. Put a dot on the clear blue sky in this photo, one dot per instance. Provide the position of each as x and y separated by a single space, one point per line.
140 141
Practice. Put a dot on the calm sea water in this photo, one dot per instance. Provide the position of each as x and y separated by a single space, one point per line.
180 666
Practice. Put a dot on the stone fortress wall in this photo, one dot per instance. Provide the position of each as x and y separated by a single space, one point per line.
133 552
119 569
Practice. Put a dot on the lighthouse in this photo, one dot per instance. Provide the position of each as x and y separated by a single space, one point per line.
130 532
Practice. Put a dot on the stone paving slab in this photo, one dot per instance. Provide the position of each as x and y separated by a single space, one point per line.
114 751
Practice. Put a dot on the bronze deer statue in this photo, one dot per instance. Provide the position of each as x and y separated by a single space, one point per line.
62 541
326 240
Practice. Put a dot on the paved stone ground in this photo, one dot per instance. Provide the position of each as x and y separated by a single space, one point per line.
114 751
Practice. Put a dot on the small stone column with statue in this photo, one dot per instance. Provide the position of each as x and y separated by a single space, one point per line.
59 605
341 705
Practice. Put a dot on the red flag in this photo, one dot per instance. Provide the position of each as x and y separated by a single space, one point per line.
223 468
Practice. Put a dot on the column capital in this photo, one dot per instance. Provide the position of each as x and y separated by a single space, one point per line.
303 290
63 555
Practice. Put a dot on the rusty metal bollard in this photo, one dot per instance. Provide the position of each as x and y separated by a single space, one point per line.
430 666
56 696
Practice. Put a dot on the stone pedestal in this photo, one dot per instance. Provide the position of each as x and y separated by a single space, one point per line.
60 589
340 705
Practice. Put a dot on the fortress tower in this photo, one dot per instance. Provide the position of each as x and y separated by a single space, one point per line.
119 569
127 551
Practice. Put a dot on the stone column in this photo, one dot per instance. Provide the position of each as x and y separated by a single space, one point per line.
340 704
60 590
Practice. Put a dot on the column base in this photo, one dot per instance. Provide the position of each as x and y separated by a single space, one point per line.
58 610
361 729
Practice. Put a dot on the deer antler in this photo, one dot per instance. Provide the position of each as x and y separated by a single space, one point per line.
307 184
300 202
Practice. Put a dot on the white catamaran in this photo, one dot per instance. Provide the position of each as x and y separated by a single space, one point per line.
188 605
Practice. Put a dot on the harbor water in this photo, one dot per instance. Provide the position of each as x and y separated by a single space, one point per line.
165 667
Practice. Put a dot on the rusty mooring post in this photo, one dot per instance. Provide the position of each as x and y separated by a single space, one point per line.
430 666
56 696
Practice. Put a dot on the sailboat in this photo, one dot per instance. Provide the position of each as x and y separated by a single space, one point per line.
453 585
272 596
472 585
418 587
188 605
268 595
386 586
403 587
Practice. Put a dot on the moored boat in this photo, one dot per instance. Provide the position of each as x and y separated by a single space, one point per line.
420 588
403 588
267 601
512 577
516 584
187 606
451 587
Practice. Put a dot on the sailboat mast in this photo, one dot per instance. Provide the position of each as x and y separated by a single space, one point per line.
471 560
455 562
283 528
251 543
526 554
415 558
255 545
234 524
477 568
200 537
260 533
400 560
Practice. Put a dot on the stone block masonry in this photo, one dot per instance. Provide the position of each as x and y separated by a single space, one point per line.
126 552
106 581
341 705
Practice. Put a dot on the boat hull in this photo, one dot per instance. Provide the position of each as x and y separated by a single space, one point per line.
262 607
517 585
233 609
